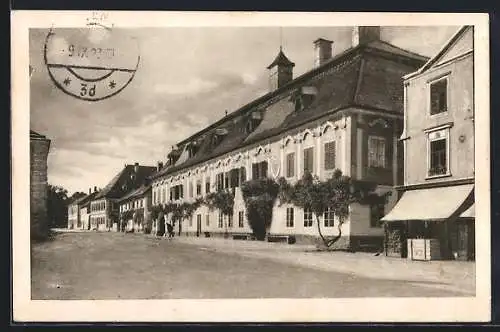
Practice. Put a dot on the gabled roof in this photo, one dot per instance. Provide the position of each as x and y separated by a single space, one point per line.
85 200
281 60
135 193
114 189
358 77
441 52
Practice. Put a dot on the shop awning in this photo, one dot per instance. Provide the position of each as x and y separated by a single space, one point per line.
430 204
469 213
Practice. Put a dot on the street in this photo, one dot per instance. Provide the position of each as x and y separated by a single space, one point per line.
91 265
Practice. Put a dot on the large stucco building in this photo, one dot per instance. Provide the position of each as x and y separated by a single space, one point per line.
39 151
346 113
437 202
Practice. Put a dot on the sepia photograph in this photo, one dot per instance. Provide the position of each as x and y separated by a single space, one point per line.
180 161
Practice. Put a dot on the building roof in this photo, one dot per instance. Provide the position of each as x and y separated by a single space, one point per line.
282 60
86 199
359 77
35 135
440 53
124 181
135 193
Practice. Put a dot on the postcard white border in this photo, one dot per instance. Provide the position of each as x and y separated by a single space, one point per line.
236 310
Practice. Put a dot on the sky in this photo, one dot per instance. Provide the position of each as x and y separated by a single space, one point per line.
187 78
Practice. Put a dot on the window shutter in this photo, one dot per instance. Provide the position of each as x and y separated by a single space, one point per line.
330 155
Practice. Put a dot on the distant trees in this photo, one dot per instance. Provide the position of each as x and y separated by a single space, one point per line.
57 205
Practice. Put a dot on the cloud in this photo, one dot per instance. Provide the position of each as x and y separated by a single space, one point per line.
193 86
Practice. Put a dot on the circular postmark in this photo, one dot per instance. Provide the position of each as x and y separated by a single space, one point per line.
91 63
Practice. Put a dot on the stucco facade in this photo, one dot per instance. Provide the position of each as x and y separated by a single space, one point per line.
437 196
312 122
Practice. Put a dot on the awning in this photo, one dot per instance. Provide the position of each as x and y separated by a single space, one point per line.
430 204
469 213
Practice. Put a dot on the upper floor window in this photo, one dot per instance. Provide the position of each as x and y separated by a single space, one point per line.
207 186
259 170
219 180
376 151
439 99
438 163
309 160
308 218
290 165
330 155
198 188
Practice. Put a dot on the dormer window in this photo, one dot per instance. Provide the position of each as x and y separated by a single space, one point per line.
253 122
303 97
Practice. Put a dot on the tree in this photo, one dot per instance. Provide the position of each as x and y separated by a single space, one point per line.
76 195
336 194
259 197
57 206
222 200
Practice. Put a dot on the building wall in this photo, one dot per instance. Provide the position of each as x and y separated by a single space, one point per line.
73 216
139 203
458 117
39 150
85 217
349 147
98 214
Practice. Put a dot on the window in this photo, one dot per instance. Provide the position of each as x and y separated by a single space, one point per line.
207 185
377 211
207 220
198 220
439 103
198 188
308 218
191 221
290 165
259 170
329 218
376 151
240 219
190 188
330 155
438 153
230 221
219 180
309 160
221 221
289 217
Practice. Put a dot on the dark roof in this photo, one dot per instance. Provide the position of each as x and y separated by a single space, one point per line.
35 135
367 76
281 59
85 200
135 193
114 189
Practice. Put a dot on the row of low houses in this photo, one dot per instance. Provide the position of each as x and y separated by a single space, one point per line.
375 111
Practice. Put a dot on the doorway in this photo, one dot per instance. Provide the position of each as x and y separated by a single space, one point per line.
198 225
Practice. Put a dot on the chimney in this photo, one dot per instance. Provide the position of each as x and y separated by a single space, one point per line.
364 35
90 191
322 50
136 167
159 166
280 71
95 189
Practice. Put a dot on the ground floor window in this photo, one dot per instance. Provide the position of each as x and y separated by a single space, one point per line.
221 221
308 218
230 221
191 221
289 217
329 218
240 219
207 220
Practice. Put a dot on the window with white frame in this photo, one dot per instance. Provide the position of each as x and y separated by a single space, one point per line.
207 220
438 150
308 218
289 217
439 96
290 165
329 218
330 155
309 160
376 151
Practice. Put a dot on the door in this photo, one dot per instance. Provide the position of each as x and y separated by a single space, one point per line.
462 241
198 225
